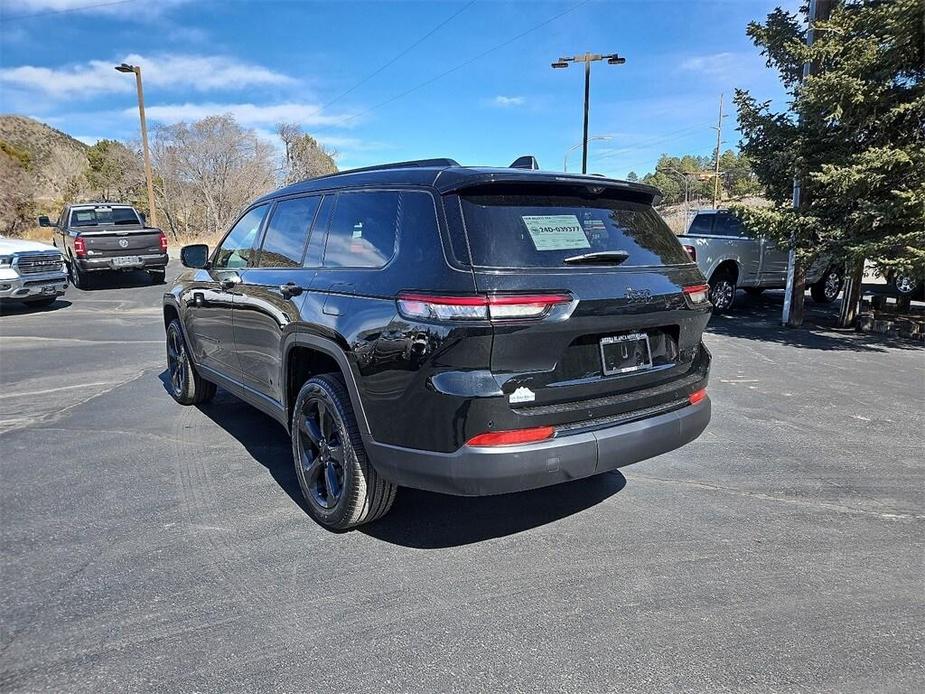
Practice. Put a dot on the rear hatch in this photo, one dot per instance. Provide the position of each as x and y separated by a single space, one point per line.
624 335
114 231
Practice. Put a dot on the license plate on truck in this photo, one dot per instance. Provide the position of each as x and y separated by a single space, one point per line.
622 354
126 261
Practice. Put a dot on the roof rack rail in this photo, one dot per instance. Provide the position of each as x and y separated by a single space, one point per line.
414 164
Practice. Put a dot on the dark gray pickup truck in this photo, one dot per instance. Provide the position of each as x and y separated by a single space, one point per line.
98 236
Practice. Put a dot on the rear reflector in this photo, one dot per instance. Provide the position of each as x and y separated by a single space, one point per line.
479 307
692 252
511 438
697 396
697 294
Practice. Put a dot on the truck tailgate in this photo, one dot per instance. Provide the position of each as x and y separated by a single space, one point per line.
119 243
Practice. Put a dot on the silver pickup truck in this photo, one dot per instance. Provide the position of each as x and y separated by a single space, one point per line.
730 259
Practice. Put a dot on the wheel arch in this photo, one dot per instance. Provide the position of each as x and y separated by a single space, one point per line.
726 266
306 355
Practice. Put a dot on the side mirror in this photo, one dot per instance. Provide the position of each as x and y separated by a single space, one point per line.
44 221
195 255
144 219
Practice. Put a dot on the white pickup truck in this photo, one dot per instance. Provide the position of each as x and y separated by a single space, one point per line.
731 259
30 272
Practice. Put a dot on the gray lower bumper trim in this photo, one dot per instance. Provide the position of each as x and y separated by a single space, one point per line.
484 471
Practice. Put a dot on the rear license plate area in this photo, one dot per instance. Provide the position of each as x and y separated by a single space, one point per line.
126 261
622 354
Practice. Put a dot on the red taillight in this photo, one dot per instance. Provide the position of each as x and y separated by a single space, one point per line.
163 242
479 307
692 252
697 396
697 294
511 438
80 247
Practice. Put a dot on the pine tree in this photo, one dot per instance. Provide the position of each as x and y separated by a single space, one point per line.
854 135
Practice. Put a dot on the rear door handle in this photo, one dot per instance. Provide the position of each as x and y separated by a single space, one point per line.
290 289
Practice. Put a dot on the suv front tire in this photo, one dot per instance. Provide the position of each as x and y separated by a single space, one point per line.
341 488
186 386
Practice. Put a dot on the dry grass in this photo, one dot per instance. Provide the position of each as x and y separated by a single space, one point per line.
43 234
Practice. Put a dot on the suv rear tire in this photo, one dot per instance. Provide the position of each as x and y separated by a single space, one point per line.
340 486
186 386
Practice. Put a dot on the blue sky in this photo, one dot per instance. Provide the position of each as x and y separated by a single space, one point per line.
476 84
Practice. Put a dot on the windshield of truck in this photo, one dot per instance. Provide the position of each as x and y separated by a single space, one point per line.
97 216
548 230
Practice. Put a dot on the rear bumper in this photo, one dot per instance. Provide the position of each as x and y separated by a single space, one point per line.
476 471
37 286
153 261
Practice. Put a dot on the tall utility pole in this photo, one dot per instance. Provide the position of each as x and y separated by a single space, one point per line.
792 316
719 142
587 59
125 67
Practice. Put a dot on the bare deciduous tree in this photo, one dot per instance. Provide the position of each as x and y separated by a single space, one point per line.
305 156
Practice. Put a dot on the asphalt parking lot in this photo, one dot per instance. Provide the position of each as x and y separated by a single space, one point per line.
148 546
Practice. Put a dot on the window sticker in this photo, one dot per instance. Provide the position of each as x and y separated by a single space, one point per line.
555 232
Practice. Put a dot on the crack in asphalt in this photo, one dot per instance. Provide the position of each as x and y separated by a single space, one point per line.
840 508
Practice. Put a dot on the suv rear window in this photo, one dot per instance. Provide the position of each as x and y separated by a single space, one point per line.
542 230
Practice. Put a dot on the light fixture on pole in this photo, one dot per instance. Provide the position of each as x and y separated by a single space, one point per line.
587 59
136 69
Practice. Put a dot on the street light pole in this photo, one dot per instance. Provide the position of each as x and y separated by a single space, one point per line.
587 59
149 179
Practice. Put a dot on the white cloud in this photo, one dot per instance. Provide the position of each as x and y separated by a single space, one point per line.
508 101
120 8
251 115
169 71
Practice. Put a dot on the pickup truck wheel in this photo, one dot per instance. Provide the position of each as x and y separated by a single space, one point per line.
341 488
79 279
826 290
722 291
186 386
157 276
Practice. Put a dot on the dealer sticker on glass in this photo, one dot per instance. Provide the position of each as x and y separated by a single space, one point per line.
556 232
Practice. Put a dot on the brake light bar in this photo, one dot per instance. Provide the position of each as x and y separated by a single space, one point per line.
512 438
80 247
480 306
697 294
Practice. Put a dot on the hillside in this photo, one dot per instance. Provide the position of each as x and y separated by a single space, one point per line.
53 161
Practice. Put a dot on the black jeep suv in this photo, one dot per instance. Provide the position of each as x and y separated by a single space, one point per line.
462 330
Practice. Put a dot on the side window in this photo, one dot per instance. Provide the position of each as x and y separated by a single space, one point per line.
702 224
727 225
287 232
363 229
237 247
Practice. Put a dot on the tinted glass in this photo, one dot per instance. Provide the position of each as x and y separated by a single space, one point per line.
287 232
237 247
525 230
727 225
363 229
702 224
95 216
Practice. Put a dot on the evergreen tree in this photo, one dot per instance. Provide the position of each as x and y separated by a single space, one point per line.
854 135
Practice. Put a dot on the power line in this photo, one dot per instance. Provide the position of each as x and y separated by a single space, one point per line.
463 64
68 10
402 54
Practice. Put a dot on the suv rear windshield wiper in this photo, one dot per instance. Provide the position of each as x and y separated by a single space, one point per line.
598 258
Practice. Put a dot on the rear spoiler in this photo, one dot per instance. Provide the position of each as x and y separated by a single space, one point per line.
593 184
